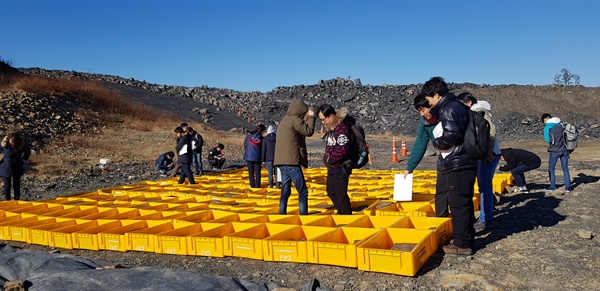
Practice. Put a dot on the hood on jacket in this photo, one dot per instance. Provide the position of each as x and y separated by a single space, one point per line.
553 120
483 105
270 129
297 108
341 116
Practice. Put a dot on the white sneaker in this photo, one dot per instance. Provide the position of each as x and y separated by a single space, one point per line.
524 189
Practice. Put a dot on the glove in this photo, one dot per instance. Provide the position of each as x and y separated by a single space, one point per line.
326 161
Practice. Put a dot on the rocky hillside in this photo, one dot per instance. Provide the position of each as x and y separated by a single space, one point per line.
380 109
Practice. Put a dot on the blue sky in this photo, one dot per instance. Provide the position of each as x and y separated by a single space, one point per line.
260 45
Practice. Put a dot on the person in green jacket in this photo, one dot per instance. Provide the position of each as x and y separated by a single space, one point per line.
424 134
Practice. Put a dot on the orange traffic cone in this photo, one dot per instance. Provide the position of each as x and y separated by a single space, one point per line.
394 154
248 118
403 149
239 112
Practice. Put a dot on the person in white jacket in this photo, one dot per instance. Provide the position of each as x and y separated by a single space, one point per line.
487 167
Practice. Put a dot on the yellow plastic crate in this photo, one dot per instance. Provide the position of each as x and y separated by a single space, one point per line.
63 237
87 237
338 247
211 242
407 209
144 239
175 241
335 220
115 239
6 219
375 253
295 219
378 222
247 243
290 245
441 226
19 230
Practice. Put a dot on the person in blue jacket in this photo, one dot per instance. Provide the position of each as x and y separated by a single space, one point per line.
268 155
554 136
253 154
424 133
14 155
164 163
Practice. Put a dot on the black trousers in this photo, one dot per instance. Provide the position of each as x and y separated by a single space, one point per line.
337 190
455 189
15 182
186 171
254 173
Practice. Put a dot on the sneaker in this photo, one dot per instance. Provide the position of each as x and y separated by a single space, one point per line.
524 189
568 191
451 249
479 225
549 189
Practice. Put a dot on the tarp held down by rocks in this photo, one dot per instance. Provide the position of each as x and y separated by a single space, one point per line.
46 271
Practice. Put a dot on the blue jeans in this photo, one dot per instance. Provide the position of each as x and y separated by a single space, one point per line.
485 175
519 173
294 174
198 162
272 174
564 162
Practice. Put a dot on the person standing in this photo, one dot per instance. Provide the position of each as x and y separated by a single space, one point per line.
456 170
487 167
253 154
518 162
337 152
178 131
554 136
14 155
197 143
291 154
184 158
268 155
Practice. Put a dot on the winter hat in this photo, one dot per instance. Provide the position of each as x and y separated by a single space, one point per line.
270 129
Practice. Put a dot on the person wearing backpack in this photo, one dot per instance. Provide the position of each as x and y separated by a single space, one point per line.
253 154
457 170
487 166
338 152
554 136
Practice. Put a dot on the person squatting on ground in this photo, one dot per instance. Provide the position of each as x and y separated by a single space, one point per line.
487 167
291 154
424 134
164 163
518 162
337 155
216 157
14 155
554 136
197 144
268 155
457 170
184 150
253 154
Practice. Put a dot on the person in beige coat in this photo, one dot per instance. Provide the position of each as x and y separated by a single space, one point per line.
291 154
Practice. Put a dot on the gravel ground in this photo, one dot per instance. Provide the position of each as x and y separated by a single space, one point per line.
540 241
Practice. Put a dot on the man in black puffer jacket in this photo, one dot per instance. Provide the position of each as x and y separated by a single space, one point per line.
456 170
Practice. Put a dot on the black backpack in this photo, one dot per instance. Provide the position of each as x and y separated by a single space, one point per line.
477 136
360 147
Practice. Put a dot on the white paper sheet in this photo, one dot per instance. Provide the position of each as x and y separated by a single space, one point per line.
403 187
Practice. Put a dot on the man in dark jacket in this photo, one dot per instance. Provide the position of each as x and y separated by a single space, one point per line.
456 169
337 151
518 162
164 163
268 155
291 154
14 155
216 156
184 151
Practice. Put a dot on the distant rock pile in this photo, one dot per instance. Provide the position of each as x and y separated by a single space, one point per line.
379 109
39 118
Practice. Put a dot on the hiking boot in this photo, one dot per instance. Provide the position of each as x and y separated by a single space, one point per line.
451 249
479 225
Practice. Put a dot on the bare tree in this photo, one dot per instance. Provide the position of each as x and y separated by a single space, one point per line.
566 78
